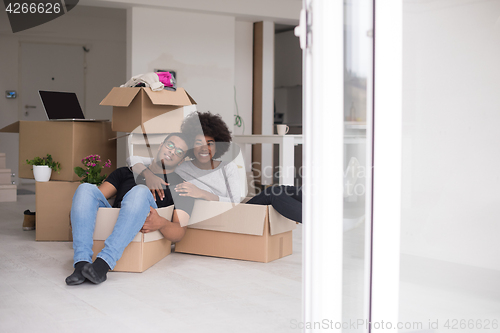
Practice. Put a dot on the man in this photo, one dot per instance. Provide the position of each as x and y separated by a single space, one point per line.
137 212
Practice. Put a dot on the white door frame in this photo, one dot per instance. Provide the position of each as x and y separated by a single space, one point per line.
387 139
323 156
323 128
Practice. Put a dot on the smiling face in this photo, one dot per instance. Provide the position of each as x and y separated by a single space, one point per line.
172 151
204 148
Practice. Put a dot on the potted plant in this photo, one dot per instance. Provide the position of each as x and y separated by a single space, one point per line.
43 166
92 171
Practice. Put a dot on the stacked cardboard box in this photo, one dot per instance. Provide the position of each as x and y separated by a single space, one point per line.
67 141
8 192
53 207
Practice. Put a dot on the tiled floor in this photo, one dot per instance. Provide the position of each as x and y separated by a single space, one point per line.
181 293
446 297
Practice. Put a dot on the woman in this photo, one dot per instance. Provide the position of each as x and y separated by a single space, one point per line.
211 179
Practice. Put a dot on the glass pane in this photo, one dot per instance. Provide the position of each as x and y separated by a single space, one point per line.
357 105
450 267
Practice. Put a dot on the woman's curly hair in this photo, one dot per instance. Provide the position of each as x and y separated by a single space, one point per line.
207 124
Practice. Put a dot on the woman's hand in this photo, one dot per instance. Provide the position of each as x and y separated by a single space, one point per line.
187 189
155 184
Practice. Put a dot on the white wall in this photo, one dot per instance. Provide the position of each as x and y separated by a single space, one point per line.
451 116
199 47
102 30
243 74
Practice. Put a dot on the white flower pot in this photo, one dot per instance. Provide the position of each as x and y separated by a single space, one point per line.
42 173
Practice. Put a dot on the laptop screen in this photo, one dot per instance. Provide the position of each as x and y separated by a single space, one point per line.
61 105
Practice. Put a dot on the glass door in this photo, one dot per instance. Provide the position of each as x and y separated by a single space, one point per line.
357 163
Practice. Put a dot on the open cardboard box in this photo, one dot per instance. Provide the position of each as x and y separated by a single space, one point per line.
144 251
53 207
241 231
67 141
145 111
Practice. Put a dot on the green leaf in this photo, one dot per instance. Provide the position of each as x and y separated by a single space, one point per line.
79 171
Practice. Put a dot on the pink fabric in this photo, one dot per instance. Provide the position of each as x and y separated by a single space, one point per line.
165 78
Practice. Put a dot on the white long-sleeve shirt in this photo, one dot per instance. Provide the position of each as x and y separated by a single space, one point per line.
223 181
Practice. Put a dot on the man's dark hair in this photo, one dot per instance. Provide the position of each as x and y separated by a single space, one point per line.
179 135
207 124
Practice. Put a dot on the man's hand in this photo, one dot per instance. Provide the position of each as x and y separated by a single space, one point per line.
187 189
155 184
153 221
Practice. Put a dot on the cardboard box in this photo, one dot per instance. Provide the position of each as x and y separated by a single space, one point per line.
246 232
67 141
53 207
157 111
5 177
2 161
144 251
8 193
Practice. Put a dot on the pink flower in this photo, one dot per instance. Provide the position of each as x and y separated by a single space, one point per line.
93 164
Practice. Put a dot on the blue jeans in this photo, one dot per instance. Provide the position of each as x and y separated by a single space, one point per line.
134 210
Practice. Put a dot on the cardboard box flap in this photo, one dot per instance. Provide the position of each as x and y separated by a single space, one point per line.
279 224
12 128
120 97
204 210
166 97
106 219
228 217
191 99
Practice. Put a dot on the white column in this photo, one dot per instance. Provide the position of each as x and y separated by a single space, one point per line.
286 160
267 99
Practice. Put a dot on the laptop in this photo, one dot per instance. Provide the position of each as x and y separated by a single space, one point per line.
62 106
